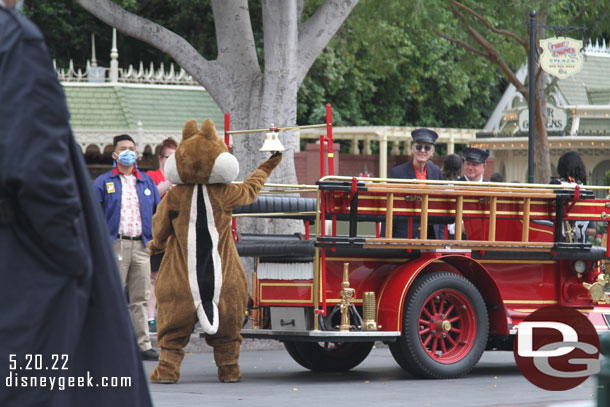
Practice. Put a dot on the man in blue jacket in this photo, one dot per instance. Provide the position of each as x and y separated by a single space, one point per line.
63 310
419 168
129 199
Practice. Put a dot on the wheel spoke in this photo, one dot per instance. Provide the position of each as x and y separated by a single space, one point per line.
442 314
441 305
451 307
434 346
443 347
433 306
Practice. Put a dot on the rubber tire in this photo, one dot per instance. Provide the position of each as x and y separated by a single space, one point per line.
313 356
408 350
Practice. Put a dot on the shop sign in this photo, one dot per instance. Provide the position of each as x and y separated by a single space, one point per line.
561 56
556 119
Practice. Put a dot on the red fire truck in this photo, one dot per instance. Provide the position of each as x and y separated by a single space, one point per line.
330 294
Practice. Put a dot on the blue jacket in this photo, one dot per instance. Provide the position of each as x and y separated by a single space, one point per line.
108 190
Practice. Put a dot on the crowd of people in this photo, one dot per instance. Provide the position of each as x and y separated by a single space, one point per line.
471 166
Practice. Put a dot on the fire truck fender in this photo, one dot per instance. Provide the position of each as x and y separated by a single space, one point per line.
478 275
395 287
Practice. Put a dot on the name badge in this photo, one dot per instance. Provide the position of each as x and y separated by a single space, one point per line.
147 192
110 187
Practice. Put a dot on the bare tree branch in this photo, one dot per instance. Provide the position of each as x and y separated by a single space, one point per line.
494 56
486 23
315 33
491 53
461 43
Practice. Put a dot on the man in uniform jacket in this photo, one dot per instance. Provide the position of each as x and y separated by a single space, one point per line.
63 310
474 167
419 168
474 164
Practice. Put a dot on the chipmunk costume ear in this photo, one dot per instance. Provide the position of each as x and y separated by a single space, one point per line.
201 157
208 130
190 129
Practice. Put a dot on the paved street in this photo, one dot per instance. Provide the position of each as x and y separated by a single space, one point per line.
272 378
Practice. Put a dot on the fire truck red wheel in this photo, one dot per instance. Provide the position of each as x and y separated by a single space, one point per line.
327 356
445 327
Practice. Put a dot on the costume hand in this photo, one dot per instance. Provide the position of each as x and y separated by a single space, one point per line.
151 247
271 163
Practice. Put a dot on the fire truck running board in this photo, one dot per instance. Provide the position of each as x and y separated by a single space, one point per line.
321 336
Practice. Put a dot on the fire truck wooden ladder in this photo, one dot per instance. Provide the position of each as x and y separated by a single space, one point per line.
459 192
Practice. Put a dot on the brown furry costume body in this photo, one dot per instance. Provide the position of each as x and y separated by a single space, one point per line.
201 276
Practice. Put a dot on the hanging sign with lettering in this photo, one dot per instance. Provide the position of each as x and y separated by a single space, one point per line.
561 56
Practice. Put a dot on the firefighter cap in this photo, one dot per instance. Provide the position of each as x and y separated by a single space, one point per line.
424 135
477 155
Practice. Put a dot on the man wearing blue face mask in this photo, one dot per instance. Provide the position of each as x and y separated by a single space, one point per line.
129 199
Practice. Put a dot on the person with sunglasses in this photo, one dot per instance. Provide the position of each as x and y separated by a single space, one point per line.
421 167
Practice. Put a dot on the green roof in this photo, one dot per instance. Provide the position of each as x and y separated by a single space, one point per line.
121 106
599 96
587 125
590 85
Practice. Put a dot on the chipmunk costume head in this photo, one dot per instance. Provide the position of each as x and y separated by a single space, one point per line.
201 158
201 277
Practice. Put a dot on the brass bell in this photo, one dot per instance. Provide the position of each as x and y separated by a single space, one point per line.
272 142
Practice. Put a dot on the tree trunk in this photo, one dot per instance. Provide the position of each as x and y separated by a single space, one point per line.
542 157
542 161
235 80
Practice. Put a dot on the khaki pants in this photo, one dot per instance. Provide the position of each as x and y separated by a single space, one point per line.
134 267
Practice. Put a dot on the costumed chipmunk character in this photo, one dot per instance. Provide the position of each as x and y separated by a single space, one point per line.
201 276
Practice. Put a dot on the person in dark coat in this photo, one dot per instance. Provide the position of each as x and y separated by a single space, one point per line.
63 311
419 168
475 162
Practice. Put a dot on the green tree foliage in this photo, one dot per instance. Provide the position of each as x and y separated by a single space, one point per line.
68 28
386 65
383 68
497 32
